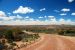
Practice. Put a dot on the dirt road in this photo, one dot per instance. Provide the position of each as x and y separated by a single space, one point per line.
52 42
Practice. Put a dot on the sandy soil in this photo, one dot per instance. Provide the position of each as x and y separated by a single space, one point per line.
52 42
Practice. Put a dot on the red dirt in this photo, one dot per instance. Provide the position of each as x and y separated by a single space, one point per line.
52 42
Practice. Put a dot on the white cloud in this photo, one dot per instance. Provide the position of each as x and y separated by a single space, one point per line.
62 20
66 22
2 14
19 17
40 17
45 16
73 14
12 17
63 14
42 9
8 18
53 19
70 1
27 17
65 10
38 22
23 22
51 16
24 10
56 11
4 20
31 19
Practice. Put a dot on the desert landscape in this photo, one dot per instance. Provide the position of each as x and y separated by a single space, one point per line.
47 37
37 24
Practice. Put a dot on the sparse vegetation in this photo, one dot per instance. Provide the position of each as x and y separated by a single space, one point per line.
67 32
10 36
13 34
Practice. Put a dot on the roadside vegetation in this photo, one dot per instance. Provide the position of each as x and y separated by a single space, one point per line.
67 31
41 30
9 37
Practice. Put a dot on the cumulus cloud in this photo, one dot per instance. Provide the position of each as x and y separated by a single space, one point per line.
8 18
54 21
31 21
2 14
65 10
63 14
66 22
23 10
4 18
73 14
42 9
62 20
38 22
70 1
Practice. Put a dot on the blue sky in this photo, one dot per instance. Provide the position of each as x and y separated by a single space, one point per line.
37 12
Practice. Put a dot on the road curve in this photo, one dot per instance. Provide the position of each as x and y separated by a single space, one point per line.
52 42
